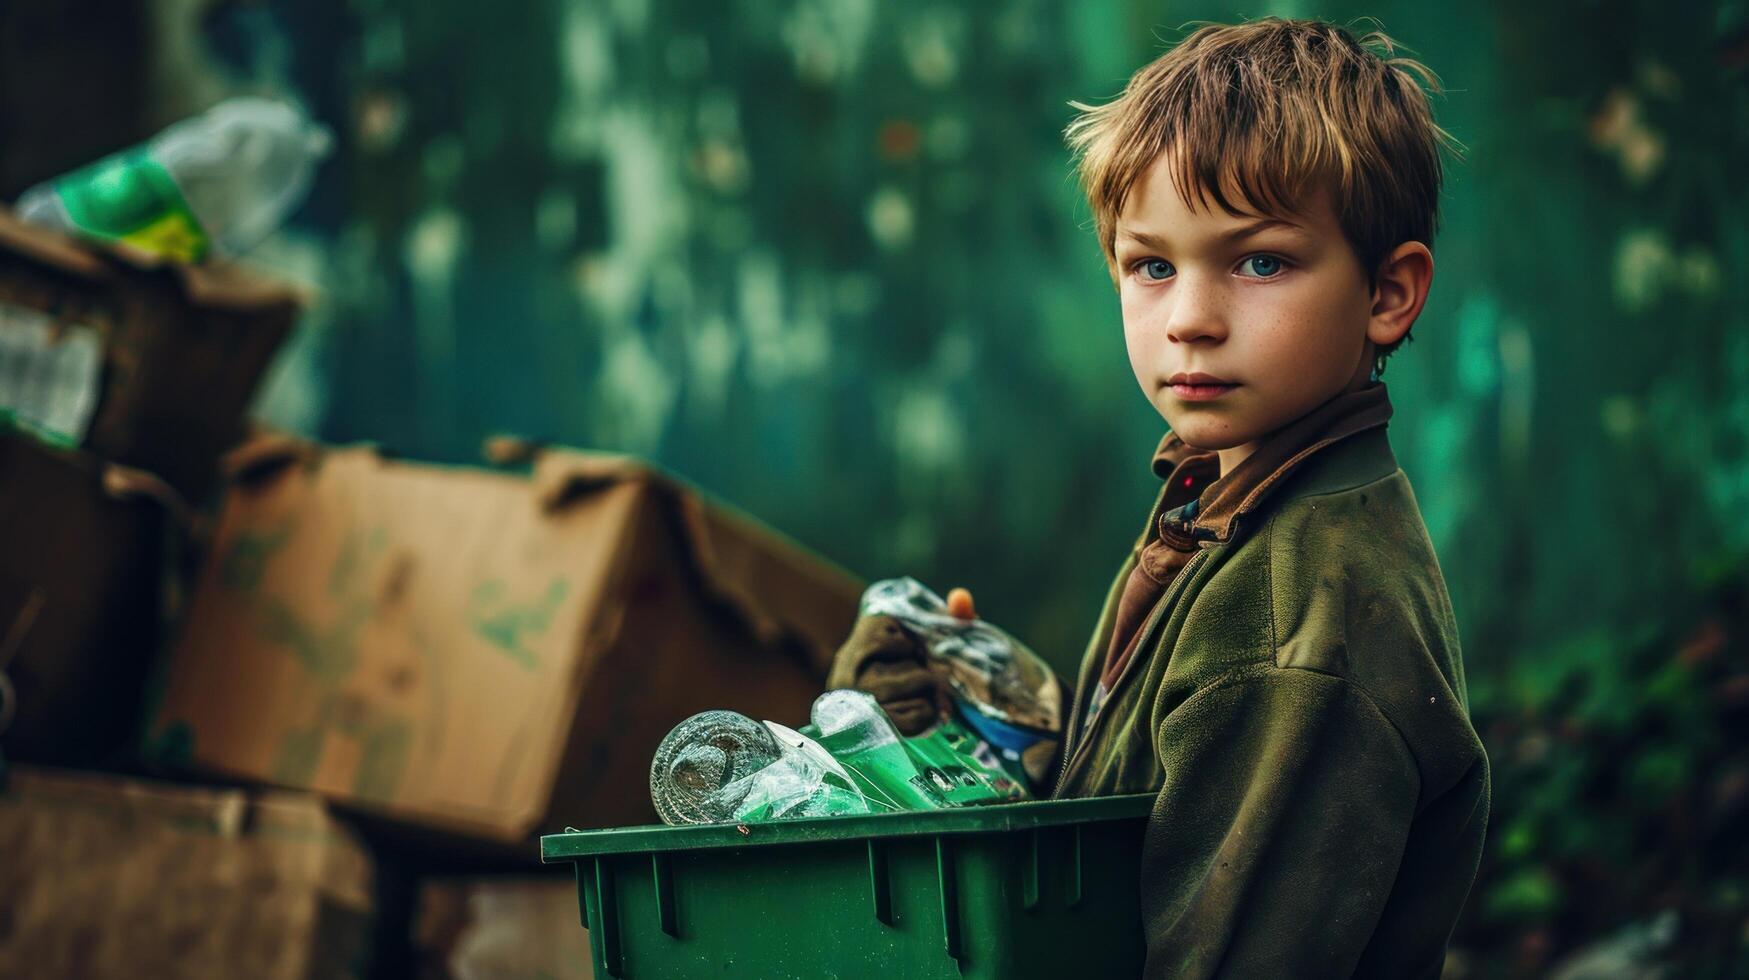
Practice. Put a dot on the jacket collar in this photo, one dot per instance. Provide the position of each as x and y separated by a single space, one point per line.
1226 499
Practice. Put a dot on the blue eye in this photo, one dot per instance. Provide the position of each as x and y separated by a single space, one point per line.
1269 266
1155 269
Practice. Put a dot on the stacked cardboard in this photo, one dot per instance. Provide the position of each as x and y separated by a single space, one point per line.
81 573
109 877
182 348
154 365
479 653
447 660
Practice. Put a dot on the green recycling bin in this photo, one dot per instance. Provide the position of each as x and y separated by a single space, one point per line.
1035 889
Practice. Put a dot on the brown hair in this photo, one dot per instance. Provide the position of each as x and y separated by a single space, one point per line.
1274 109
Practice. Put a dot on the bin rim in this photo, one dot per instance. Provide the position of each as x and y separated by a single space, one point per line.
996 818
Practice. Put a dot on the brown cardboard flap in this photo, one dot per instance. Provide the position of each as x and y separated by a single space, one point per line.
263 455
121 482
51 248
756 571
563 476
218 285
233 287
129 482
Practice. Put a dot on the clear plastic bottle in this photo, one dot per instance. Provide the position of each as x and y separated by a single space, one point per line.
699 773
858 733
225 178
720 766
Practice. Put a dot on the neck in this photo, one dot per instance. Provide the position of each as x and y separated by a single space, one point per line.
1231 458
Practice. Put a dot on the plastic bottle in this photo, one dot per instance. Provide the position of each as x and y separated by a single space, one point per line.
721 766
698 774
806 781
859 734
224 179
928 772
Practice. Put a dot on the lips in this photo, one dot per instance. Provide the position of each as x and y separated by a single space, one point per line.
1197 379
1199 387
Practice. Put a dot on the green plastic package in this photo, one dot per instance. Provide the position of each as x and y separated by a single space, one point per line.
932 771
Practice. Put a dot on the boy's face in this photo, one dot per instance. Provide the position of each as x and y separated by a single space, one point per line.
1280 311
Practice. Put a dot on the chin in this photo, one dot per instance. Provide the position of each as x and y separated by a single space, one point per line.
1198 434
1200 440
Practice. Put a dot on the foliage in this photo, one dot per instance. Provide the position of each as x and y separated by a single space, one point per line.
1621 789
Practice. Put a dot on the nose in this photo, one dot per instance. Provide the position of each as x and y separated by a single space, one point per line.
1197 313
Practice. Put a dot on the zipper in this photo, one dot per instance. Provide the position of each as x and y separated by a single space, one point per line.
1179 584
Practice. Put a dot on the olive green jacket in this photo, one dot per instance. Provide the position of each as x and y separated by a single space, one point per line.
1298 703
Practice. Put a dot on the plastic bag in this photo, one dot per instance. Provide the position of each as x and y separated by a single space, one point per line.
1008 696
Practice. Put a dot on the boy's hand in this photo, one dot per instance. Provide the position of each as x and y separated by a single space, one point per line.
888 661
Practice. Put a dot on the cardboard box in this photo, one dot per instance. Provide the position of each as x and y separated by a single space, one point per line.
183 347
500 929
481 653
110 877
87 544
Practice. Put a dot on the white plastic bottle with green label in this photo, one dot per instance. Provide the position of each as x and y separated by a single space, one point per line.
220 181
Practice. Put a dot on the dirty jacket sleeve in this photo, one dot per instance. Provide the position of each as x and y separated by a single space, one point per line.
1276 838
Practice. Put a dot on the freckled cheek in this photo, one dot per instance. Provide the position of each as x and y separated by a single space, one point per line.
1143 317
1143 338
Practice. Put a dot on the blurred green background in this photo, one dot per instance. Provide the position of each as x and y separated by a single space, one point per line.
826 259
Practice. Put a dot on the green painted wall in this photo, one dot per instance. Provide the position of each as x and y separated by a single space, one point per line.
827 259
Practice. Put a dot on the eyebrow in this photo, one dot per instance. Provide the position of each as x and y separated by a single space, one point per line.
1242 232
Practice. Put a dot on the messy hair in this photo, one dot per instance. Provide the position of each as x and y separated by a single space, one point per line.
1275 110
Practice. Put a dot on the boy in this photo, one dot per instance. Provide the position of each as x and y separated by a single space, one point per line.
1277 657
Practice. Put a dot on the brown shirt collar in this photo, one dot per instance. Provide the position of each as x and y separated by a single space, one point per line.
1224 500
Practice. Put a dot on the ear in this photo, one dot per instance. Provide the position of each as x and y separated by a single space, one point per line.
1404 278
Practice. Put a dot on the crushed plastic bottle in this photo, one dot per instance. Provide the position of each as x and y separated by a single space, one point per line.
858 733
927 772
1007 694
703 761
722 766
226 178
852 722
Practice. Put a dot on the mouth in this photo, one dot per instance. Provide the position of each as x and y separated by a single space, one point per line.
1198 387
